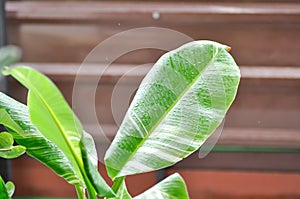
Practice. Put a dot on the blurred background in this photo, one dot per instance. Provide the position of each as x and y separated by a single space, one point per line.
258 153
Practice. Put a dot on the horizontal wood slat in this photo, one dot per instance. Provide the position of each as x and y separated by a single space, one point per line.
116 71
260 34
53 11
243 161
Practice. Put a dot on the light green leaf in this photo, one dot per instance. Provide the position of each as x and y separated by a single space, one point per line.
10 187
6 140
37 146
180 102
5 118
13 152
51 114
3 190
7 150
173 187
90 160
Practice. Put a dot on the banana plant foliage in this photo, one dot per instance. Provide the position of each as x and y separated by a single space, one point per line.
52 116
172 187
14 116
180 102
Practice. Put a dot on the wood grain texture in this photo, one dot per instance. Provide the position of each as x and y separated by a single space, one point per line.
259 33
112 10
211 184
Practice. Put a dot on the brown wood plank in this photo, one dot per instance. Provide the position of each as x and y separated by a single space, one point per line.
60 71
53 11
259 33
256 44
243 161
211 184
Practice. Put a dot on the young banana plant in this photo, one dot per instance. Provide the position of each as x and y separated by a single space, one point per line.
178 105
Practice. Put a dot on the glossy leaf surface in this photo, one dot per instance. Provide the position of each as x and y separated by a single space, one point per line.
14 116
173 187
180 102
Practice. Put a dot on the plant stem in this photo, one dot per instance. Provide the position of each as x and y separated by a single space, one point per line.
90 190
117 184
80 192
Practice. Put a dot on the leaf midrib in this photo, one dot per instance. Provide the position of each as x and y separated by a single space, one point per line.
168 110
80 164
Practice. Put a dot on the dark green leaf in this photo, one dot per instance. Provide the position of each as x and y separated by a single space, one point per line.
3 190
90 160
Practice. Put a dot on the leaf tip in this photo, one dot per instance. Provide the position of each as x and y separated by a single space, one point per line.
228 48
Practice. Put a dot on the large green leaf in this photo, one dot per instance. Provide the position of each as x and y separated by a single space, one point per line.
173 187
51 114
90 160
180 102
18 124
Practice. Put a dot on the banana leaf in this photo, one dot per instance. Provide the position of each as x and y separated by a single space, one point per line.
14 116
173 187
51 114
90 161
178 105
